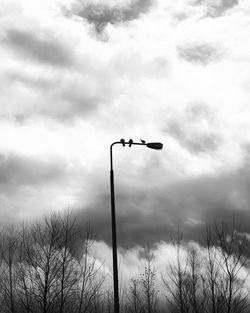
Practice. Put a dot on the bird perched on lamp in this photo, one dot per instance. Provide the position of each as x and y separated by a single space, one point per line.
123 142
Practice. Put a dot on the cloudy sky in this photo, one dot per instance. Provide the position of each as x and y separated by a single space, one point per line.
77 75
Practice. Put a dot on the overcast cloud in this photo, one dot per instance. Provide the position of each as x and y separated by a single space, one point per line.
77 75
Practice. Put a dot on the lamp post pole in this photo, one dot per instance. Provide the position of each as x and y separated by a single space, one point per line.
152 145
114 241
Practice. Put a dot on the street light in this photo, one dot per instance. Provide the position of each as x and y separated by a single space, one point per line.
151 145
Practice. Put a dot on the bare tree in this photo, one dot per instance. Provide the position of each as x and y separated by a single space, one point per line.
41 258
90 280
176 280
232 260
212 282
212 275
195 282
143 293
134 297
67 272
9 253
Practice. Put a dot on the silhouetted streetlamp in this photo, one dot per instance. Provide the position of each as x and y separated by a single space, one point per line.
151 145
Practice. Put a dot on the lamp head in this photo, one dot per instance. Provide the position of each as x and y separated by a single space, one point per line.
155 145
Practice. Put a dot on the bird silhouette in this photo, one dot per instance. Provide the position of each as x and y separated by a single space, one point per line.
123 142
143 141
130 142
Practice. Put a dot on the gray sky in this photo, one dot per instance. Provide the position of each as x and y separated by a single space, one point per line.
78 75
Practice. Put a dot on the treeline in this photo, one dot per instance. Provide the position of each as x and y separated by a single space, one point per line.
208 278
48 267
212 278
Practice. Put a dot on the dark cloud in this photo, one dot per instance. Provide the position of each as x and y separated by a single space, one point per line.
145 218
194 142
217 8
199 110
16 170
73 102
47 50
35 81
30 186
200 54
134 226
68 109
190 132
58 98
101 14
